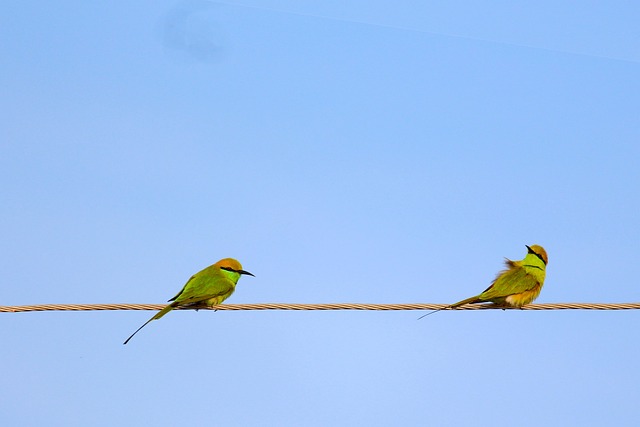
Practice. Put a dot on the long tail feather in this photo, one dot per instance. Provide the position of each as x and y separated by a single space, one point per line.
471 300
434 311
155 317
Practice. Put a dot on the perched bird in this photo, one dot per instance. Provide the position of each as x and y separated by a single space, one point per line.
516 286
206 288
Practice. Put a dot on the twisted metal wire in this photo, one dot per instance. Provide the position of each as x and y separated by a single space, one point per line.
301 307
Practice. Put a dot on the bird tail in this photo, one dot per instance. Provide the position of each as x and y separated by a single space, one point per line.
472 300
163 311
431 312
157 316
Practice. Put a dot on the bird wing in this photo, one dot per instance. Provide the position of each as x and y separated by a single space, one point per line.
203 286
183 288
509 282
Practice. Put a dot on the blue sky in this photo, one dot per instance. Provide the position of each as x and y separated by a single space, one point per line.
379 152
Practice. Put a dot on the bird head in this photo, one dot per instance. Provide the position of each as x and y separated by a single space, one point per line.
232 265
538 251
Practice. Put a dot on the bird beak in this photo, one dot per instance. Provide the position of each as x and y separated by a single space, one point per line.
245 272
529 249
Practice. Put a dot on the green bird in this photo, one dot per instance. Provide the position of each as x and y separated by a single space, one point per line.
519 284
206 288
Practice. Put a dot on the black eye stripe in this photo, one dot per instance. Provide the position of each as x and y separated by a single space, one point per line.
529 250
539 256
228 269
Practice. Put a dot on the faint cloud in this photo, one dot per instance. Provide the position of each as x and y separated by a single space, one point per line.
189 31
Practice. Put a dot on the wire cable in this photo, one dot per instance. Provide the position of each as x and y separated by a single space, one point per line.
308 307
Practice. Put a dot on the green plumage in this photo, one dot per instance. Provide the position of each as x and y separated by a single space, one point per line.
206 288
519 284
